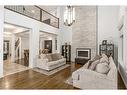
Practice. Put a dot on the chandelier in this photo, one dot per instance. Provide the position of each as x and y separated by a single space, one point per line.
69 16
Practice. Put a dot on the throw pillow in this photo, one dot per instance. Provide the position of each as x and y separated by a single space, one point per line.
93 64
97 57
59 56
104 55
89 63
102 68
48 56
56 56
42 56
39 56
104 59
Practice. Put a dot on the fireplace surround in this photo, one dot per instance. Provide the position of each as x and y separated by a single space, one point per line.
83 53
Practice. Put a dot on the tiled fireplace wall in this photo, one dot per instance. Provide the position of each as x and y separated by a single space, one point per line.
84 30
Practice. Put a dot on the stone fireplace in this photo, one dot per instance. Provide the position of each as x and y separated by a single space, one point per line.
84 31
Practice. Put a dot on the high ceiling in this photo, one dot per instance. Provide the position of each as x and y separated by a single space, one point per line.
46 35
10 29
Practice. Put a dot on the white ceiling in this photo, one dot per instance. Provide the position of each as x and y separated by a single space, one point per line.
23 34
46 35
10 29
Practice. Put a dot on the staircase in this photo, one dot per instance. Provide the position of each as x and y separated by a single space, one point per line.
17 43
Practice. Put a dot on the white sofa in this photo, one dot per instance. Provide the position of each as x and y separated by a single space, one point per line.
85 78
50 61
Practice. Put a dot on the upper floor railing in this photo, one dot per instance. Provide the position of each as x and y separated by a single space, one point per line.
36 13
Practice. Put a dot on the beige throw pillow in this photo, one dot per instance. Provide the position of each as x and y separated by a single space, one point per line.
42 56
102 68
93 64
48 56
97 57
59 56
56 56
104 59
104 55
89 63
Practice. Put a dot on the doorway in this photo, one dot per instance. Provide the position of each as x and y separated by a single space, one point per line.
14 48
47 42
22 51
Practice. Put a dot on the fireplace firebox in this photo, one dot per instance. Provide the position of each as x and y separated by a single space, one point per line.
83 53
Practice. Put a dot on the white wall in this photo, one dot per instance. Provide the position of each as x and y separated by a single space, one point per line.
1 39
66 31
107 25
67 34
42 42
122 32
122 59
35 27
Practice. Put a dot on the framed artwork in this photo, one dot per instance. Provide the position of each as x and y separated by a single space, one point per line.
48 45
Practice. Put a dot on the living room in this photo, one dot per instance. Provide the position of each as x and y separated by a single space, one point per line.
93 26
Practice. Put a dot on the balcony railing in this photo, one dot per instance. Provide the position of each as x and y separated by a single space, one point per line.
36 13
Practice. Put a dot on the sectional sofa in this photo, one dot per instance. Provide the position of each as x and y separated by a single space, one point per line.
98 78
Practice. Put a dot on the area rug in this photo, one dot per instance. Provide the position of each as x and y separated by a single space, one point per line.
69 81
52 71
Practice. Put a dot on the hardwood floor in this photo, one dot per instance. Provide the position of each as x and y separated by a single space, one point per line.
30 79
22 62
11 68
121 84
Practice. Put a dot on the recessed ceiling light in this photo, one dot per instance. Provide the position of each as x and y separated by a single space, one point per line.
49 38
9 26
7 33
33 11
